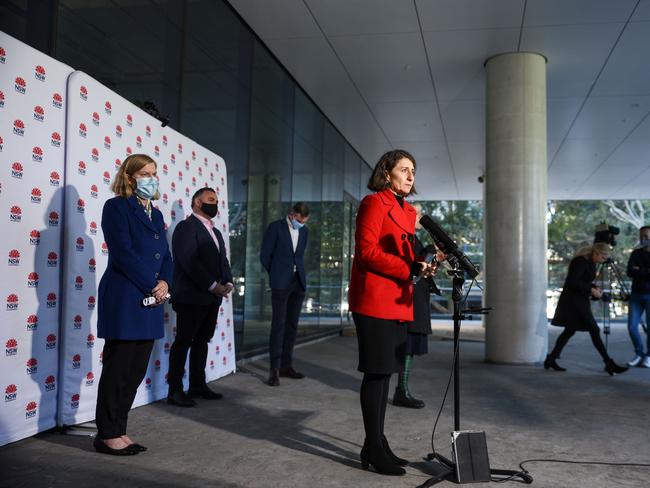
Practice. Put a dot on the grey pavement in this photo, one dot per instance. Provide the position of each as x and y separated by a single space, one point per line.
308 433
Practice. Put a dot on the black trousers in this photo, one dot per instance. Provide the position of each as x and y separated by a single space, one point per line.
286 305
195 326
124 366
563 338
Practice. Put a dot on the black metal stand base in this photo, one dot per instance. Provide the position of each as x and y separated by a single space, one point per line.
446 471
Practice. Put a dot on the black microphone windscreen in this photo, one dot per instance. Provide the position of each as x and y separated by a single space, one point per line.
440 236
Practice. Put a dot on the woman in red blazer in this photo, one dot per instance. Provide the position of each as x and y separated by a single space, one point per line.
381 295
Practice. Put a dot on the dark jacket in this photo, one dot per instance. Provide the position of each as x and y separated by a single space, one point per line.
277 254
197 263
138 257
421 298
638 268
574 306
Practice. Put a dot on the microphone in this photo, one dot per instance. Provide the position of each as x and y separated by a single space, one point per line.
429 257
445 243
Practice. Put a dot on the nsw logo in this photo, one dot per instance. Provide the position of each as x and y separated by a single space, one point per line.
50 342
50 383
83 130
53 219
118 131
96 119
90 378
147 131
91 303
104 249
147 384
77 322
118 163
32 323
106 178
81 168
39 73
107 143
52 259
76 361
30 410
32 366
78 283
74 401
11 393
57 101
2 99
80 244
55 179
20 85
37 154
17 170
56 139
50 301
93 228
108 108
81 206
39 113
138 141
156 151
92 265
19 127
36 196
164 140
32 280
93 191
83 93
3 55
94 154
12 302
90 341
129 120
11 347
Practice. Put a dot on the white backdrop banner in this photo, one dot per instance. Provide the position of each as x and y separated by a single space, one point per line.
32 126
103 129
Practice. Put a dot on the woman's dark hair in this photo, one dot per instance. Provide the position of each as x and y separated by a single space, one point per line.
378 180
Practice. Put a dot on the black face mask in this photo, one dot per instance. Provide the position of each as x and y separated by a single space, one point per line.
210 209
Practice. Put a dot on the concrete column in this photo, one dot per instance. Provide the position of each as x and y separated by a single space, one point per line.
515 273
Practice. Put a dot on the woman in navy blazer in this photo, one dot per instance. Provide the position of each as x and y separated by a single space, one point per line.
139 266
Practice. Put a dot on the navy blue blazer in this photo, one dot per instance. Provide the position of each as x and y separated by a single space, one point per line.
197 263
138 256
277 254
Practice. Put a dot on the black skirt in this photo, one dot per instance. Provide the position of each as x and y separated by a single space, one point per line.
417 344
382 344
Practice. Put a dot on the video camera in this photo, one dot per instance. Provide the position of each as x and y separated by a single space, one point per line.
605 233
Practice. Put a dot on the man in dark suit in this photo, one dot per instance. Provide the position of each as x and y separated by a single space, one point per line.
202 277
282 255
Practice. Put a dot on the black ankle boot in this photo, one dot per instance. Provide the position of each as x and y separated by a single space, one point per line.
378 458
550 363
397 460
612 368
401 398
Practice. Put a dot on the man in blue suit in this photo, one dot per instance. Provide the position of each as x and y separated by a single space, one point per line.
202 278
282 255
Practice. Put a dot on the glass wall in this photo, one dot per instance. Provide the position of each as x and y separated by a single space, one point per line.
202 67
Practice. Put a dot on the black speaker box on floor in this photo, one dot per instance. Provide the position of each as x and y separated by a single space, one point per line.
471 456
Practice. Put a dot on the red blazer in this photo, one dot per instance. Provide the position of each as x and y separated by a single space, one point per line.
381 284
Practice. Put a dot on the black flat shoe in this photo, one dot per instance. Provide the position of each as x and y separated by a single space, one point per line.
380 462
180 399
274 379
397 460
99 446
550 363
136 447
289 372
612 368
205 393
402 399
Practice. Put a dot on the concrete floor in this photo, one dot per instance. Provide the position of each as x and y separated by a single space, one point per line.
308 433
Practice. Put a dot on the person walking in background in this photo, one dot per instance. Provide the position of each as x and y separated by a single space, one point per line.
381 296
202 278
573 310
139 267
638 268
283 257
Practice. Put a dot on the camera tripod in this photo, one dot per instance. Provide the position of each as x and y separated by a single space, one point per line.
449 470
610 273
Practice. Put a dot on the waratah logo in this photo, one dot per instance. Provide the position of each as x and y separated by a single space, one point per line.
55 179
90 341
32 280
3 55
147 384
30 410
118 163
92 265
147 131
52 260
193 181
93 191
2 99
180 149
211 176
78 283
193 155
187 191
118 131
164 140
91 303
80 244
211 364
90 378
173 214
11 347
104 249
50 342
225 360
56 139
83 130
39 113
39 73
200 171
165 198
129 120
166 348
50 383
107 142
32 323
83 93
12 302
138 141
19 127
57 101
129 151
81 206
93 228
187 165
173 187
180 176
20 85
50 302
96 119
36 195
1 143
74 400
14 257
229 346
32 365
108 108
228 323
34 237
156 151
76 361
106 178
156 365
17 170
217 349
94 154
11 393
77 322
37 154
82 168
223 334
172 159
53 219
165 169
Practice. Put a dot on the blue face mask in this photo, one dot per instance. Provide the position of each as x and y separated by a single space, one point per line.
644 242
295 224
146 187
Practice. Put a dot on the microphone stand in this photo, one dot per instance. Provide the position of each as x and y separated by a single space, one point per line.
447 466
